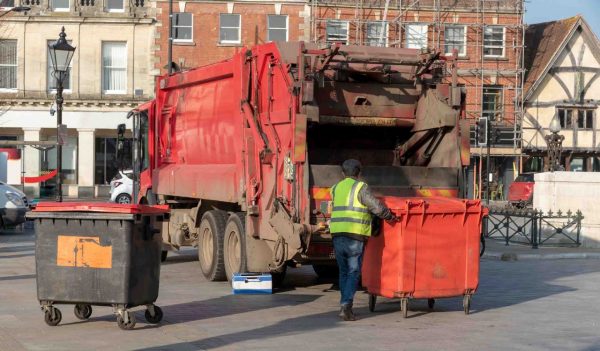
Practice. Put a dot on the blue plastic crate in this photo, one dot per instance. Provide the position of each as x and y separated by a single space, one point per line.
252 283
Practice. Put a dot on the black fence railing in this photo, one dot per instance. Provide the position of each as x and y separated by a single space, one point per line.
534 227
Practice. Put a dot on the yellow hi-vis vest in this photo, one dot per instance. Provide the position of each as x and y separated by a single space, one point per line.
348 214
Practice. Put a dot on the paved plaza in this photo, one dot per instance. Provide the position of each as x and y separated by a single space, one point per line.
520 305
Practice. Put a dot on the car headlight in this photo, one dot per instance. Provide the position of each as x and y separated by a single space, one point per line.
15 199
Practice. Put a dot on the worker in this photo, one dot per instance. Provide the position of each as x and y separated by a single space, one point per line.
350 226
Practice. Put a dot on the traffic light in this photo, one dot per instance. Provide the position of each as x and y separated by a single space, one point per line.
482 131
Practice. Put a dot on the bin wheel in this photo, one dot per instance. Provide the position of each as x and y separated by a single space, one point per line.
163 255
129 325
83 311
404 307
467 303
52 316
158 315
430 303
372 301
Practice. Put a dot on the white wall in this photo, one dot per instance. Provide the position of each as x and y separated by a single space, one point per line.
73 119
572 191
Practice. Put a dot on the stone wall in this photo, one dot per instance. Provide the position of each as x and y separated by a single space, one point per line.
573 191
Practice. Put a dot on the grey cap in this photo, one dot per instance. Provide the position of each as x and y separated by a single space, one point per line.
351 167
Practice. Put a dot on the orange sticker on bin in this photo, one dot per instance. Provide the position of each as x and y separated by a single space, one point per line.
82 251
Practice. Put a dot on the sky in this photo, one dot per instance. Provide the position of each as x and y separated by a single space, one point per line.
549 10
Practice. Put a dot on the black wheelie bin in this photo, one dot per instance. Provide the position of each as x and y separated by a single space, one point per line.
98 254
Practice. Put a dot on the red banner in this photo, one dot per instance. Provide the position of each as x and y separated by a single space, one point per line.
39 179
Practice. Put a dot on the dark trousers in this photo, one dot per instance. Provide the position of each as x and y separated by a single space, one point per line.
348 254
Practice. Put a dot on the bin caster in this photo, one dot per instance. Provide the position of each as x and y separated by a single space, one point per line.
404 307
83 311
372 301
467 303
126 320
52 316
157 317
430 303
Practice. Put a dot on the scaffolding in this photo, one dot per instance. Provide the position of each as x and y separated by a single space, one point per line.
477 72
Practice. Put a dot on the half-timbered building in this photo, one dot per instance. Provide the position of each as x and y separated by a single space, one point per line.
562 81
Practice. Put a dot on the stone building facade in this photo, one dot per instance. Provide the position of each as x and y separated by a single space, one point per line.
110 74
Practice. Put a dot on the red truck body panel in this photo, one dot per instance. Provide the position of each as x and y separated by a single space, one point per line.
265 132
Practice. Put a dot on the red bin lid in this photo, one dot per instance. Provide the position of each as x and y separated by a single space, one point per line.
103 207
401 205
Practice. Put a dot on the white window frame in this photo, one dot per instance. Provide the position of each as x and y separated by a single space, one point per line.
409 38
16 65
191 40
462 53
336 40
239 28
287 26
496 115
385 29
113 92
495 46
60 9
49 76
114 10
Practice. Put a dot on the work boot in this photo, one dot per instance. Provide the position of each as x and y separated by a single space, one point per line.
341 314
347 314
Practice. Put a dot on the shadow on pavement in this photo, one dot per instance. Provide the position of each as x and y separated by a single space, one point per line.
17 248
17 256
292 326
18 277
16 237
230 305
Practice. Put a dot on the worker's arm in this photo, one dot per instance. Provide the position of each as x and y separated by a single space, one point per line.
376 207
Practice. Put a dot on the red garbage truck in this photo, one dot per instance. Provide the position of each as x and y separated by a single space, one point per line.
244 151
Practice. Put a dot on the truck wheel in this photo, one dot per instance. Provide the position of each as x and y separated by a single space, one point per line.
235 245
325 271
210 245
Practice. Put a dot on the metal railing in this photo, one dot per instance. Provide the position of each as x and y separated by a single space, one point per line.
534 227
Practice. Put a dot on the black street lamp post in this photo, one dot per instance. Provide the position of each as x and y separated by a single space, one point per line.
61 54
554 142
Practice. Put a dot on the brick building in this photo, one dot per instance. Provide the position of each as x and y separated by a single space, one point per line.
210 31
488 35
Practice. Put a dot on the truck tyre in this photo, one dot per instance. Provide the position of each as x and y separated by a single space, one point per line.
326 272
210 245
235 245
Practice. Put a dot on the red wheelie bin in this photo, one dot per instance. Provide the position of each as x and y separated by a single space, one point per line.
431 252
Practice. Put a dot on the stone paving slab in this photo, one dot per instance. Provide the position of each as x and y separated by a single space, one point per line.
522 305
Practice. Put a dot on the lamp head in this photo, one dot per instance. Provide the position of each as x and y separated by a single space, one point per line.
61 53
555 125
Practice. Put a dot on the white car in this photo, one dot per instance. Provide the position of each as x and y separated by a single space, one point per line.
13 206
121 187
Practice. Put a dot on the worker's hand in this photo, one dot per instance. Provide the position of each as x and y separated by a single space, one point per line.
393 220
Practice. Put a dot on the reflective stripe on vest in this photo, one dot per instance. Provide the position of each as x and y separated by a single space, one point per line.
349 215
